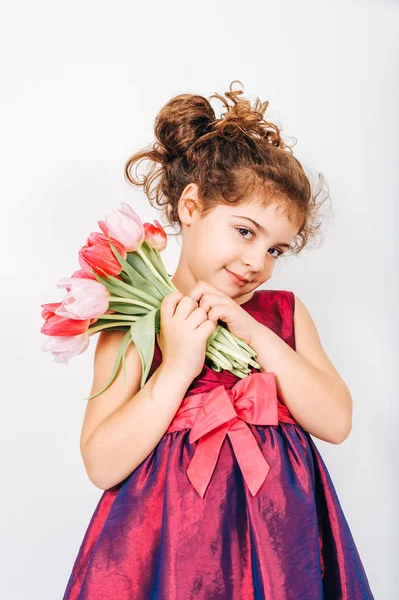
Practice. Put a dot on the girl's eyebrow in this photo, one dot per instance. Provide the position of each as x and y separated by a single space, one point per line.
261 228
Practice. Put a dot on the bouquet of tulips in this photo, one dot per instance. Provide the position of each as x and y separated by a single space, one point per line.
120 286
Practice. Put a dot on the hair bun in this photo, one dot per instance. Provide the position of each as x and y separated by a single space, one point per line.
182 120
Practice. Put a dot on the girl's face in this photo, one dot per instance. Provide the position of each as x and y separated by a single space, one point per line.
245 240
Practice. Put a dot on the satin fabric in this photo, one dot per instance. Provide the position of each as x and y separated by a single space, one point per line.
261 520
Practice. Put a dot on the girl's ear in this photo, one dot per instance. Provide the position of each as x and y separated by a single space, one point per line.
188 204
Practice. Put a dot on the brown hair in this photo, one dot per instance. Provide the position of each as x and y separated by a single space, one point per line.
234 159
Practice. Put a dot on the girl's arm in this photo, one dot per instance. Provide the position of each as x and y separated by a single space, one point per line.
124 424
307 381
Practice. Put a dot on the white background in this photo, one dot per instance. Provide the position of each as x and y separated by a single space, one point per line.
82 84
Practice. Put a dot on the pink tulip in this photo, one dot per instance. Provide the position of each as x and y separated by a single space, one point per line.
155 235
87 299
49 308
60 326
124 225
97 255
65 348
80 273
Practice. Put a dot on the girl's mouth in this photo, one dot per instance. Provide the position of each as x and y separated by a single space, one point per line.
236 280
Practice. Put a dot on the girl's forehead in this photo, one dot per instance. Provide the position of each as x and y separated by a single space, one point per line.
269 219
261 213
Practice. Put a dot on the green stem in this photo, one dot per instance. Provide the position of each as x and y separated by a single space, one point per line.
230 351
224 362
239 341
245 346
223 336
228 336
152 268
162 267
239 374
239 354
93 330
214 359
154 303
143 295
119 316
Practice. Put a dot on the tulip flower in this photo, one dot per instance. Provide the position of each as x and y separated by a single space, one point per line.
86 298
124 225
61 326
97 255
80 273
65 348
155 236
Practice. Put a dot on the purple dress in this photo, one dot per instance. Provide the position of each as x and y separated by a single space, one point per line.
234 502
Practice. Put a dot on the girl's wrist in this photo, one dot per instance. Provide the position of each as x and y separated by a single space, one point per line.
175 375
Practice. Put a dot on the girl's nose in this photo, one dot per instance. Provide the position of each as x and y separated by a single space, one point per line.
255 261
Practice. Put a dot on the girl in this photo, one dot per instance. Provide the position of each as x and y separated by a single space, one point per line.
213 486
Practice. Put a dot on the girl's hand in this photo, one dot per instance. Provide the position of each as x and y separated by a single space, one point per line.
220 306
185 328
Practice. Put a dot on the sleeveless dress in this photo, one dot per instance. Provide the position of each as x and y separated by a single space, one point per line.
235 501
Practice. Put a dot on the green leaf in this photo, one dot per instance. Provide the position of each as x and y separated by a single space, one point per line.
158 321
125 308
108 322
139 274
125 277
159 290
154 256
143 335
115 286
121 354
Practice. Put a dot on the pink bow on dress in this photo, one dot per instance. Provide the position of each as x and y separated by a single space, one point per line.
222 412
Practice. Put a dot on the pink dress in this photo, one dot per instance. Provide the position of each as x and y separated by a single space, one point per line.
235 502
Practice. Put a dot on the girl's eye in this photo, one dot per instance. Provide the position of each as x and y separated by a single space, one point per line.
280 252
244 229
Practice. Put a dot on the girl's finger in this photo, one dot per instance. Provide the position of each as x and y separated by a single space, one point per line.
185 307
198 316
207 327
210 300
169 303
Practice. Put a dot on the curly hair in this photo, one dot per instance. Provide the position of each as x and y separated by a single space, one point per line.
237 158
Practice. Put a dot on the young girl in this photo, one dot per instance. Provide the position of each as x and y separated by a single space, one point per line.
213 486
